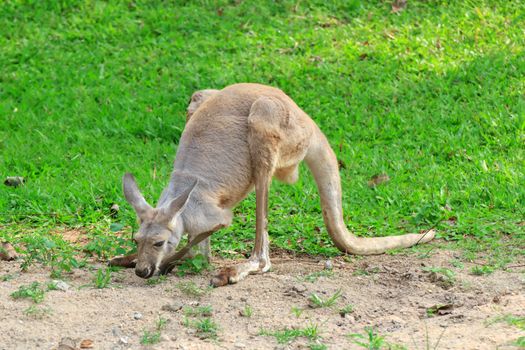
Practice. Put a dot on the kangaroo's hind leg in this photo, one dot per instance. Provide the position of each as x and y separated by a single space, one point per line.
265 137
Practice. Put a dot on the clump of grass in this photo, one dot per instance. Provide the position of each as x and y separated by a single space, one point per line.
371 340
445 277
198 311
345 310
317 302
297 311
102 278
156 280
517 321
153 337
37 312
34 291
247 311
287 335
191 289
482 270
193 266
314 276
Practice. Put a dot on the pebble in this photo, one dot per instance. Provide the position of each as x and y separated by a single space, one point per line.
244 299
173 307
328 265
137 315
61 285
299 288
239 346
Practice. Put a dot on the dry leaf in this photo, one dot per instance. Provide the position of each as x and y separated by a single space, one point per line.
378 179
86 344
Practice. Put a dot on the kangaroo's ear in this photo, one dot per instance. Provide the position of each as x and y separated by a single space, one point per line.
134 197
172 208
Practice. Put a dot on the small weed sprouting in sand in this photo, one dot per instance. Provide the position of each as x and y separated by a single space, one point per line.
191 289
153 281
37 312
198 311
297 311
317 346
193 266
371 340
247 311
206 328
314 276
32 291
317 302
445 277
517 321
288 334
102 278
482 270
153 337
345 310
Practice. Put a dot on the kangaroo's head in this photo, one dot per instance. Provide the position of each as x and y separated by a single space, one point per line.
160 228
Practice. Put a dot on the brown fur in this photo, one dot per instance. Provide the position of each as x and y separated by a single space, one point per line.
235 140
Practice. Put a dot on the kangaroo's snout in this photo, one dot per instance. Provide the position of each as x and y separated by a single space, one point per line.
144 272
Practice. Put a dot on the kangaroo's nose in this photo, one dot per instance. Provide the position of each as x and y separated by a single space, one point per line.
143 273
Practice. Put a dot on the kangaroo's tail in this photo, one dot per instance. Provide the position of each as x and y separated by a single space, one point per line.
323 163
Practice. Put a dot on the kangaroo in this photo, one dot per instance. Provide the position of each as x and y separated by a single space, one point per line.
236 140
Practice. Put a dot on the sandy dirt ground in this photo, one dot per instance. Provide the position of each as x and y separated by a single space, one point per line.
392 293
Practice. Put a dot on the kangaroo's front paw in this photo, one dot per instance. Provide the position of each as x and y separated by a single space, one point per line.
128 261
223 277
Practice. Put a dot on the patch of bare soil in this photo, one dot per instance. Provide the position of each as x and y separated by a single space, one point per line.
391 293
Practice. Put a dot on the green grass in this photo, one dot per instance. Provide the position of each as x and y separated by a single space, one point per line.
288 335
153 337
433 96
315 301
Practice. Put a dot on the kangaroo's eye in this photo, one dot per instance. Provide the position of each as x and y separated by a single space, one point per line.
159 244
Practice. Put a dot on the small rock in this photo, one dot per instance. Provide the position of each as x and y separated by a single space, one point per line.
299 288
61 285
137 315
117 332
7 252
244 299
14 181
239 346
113 211
328 265
229 297
173 307
124 340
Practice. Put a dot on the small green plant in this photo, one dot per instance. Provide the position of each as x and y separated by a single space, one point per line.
156 280
206 328
288 334
443 276
366 272
314 276
33 292
317 346
191 289
247 311
345 310
517 321
37 312
371 340
297 311
194 265
102 278
7 277
317 302
153 337
482 270
198 311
